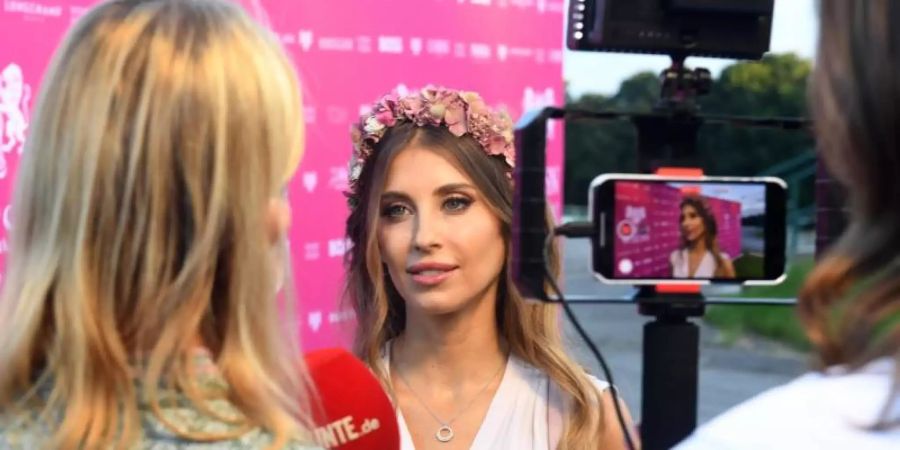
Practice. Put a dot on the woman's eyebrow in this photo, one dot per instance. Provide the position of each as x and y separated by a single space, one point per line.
453 187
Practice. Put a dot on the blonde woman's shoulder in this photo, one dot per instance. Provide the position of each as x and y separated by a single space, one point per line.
22 430
25 432
158 437
230 445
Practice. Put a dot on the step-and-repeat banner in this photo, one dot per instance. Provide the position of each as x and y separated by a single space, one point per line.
348 53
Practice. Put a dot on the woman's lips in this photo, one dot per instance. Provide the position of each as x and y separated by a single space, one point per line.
431 273
432 278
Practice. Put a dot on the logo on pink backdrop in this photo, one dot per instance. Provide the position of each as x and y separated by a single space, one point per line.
15 95
348 53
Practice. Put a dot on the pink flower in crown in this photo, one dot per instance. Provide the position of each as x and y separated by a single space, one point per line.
386 117
431 93
477 107
455 117
411 106
461 112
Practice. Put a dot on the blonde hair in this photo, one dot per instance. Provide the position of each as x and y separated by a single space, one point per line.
531 329
163 130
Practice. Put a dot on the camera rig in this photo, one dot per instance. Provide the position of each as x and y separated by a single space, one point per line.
666 137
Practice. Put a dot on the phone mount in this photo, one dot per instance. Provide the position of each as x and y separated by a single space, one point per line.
670 373
667 136
670 354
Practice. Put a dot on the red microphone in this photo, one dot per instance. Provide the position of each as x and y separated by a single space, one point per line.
355 411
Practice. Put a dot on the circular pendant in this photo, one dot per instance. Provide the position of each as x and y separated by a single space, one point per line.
444 434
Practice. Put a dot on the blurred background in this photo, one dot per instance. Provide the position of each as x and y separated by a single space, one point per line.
349 52
745 349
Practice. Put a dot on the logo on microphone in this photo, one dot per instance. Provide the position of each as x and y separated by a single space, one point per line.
343 430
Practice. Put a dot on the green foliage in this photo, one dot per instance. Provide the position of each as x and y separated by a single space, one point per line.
772 87
775 322
749 265
593 148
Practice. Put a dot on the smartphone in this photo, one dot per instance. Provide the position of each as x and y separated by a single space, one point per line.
652 229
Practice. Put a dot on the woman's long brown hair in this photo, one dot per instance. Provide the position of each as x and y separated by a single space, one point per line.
532 329
850 304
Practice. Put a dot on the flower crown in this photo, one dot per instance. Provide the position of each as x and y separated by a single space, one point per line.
461 112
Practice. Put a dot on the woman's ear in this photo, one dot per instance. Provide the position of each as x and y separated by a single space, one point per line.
278 219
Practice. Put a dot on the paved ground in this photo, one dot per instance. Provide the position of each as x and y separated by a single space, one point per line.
728 374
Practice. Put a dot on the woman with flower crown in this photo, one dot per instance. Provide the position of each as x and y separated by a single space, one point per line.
468 361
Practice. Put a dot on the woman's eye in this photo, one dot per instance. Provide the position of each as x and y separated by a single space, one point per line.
457 204
394 211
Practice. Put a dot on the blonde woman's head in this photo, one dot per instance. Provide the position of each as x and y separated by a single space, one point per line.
147 208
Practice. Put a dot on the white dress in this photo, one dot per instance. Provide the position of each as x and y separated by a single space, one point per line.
821 411
681 264
526 412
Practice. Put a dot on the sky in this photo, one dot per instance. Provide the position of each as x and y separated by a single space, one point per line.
794 29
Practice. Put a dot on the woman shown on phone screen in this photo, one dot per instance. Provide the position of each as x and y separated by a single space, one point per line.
699 255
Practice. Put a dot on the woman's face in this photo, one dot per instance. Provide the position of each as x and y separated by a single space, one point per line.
439 239
692 227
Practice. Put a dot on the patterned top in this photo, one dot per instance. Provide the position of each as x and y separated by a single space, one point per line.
26 432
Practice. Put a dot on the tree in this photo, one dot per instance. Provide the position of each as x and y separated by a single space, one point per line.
772 87
593 148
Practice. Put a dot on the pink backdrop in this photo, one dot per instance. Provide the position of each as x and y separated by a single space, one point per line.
647 227
349 52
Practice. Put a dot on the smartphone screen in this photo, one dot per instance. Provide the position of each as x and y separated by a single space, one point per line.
711 229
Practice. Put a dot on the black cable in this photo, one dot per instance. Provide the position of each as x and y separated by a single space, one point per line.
571 315
575 230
